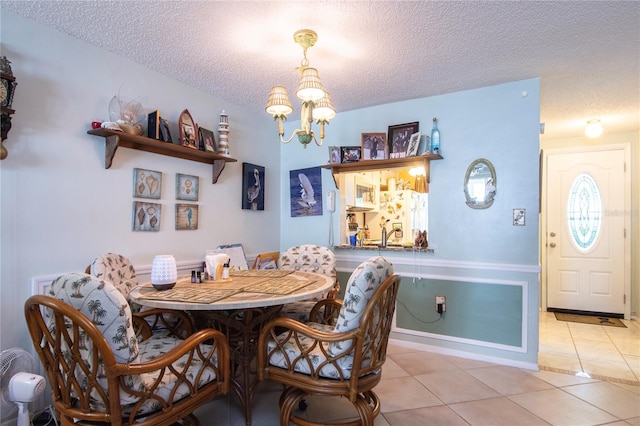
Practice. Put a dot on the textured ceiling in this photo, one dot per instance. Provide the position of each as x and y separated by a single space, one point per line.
587 54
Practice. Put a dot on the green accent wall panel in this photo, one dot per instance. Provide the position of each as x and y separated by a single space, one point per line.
484 311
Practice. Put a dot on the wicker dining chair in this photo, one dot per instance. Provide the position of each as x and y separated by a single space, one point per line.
266 260
344 359
309 258
100 374
119 271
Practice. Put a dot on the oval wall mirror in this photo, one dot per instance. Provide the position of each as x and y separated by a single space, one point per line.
480 184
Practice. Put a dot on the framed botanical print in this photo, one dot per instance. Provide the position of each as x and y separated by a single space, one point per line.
186 216
147 183
399 137
187 187
146 216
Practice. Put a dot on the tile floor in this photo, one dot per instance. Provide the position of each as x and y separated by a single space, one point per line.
424 388
602 352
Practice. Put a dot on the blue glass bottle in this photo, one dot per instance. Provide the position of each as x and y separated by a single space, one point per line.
435 137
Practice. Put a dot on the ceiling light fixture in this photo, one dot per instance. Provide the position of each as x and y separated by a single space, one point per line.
316 102
593 129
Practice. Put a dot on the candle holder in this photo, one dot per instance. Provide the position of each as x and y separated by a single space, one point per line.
164 272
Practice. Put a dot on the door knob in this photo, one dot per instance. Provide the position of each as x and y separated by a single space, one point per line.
552 245
553 234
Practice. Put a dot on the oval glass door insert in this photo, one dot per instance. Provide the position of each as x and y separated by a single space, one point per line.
584 212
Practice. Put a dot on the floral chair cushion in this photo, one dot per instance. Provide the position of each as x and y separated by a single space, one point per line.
116 269
309 258
317 356
106 307
109 311
364 281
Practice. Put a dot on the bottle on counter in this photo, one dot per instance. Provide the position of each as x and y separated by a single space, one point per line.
225 270
435 137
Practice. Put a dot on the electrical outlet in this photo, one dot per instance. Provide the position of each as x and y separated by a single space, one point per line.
441 305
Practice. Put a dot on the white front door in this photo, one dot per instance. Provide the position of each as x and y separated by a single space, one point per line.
585 231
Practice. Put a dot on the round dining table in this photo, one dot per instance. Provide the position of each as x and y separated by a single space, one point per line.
238 307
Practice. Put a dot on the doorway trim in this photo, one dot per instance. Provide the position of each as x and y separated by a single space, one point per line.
626 148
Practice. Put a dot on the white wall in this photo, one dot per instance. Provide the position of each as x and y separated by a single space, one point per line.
61 208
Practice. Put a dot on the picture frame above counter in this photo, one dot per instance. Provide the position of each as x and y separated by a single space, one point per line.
115 139
368 165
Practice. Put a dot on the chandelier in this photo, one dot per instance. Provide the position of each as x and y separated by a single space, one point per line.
316 102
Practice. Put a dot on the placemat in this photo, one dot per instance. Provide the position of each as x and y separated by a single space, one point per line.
266 273
278 286
189 294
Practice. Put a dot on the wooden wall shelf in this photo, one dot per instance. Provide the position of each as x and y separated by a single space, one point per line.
368 165
115 139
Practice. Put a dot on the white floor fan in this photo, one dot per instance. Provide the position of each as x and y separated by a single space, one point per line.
19 385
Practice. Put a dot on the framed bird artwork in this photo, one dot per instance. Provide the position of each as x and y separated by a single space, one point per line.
305 187
252 187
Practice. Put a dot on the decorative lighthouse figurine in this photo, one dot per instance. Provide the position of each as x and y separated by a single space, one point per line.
223 130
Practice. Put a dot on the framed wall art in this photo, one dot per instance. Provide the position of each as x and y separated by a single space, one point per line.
350 153
519 217
165 134
186 217
146 216
188 130
374 146
414 142
334 155
187 187
147 183
305 188
207 140
153 125
399 136
252 187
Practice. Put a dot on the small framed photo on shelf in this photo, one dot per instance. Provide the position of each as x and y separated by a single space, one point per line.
334 155
399 137
186 216
351 154
414 142
207 140
188 130
374 146
153 125
165 134
187 187
147 183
